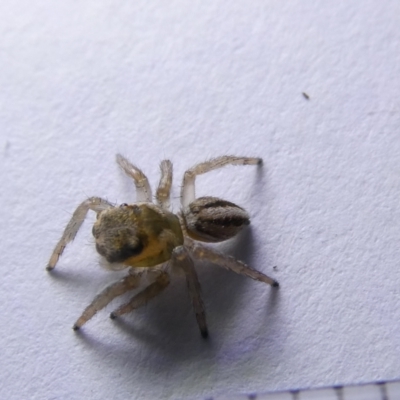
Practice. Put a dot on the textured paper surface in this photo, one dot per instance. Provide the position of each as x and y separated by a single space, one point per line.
82 81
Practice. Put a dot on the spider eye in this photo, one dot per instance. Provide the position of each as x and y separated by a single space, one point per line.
120 244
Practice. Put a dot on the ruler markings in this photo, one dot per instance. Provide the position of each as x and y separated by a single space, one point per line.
382 390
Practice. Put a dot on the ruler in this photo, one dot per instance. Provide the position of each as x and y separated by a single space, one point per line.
386 390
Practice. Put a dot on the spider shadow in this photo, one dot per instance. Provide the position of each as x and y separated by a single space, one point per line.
167 326
227 292
163 330
70 277
82 279
162 338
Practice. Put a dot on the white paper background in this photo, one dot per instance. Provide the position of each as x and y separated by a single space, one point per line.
189 80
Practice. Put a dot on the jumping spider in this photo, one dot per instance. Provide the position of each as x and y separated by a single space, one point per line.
147 238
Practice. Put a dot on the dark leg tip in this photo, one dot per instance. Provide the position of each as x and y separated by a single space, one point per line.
75 327
49 268
204 334
113 316
275 284
260 161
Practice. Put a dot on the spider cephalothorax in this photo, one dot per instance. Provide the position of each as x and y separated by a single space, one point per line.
150 236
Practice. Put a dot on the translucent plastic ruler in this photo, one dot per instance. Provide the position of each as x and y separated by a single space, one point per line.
372 391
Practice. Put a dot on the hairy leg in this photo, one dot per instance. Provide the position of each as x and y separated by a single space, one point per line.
143 189
107 295
181 259
206 254
164 187
188 184
93 203
142 298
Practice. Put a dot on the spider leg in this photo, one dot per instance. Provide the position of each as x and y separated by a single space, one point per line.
164 187
92 203
107 295
204 253
143 189
142 298
182 259
188 184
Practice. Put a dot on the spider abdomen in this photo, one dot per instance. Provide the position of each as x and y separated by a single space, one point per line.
214 220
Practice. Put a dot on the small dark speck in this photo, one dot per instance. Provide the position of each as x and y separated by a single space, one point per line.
252 396
275 268
306 96
113 316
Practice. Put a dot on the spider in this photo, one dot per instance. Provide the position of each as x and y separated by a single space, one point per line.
149 240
